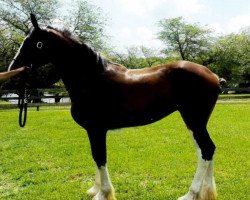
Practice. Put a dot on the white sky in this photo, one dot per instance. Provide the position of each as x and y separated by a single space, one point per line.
134 22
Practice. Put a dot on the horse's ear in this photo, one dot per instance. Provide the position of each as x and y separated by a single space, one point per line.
34 21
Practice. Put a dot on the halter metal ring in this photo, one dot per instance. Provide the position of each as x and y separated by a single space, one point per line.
39 45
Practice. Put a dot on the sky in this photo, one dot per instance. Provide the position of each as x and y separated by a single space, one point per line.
134 22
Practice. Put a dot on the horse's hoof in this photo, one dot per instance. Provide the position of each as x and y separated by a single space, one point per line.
101 196
182 198
208 194
188 196
93 191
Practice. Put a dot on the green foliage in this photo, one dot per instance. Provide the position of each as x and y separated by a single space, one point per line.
232 58
15 23
84 20
139 57
157 161
16 13
228 56
88 22
9 43
188 41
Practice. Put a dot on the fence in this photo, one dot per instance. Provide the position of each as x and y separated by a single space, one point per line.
236 90
36 98
59 98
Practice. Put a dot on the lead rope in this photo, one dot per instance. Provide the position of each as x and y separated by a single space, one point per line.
22 104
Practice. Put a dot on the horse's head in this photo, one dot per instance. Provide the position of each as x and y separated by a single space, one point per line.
34 50
51 46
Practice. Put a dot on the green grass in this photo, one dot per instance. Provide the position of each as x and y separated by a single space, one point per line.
234 97
3 102
50 158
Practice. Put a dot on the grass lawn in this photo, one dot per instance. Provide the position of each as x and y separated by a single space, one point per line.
50 158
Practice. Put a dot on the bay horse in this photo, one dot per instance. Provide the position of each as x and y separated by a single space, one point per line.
106 96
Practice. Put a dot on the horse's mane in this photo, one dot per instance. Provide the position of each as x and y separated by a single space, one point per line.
70 37
65 33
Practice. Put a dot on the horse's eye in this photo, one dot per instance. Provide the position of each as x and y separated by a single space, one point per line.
39 45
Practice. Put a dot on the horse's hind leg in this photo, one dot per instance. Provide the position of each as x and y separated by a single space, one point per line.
208 190
203 185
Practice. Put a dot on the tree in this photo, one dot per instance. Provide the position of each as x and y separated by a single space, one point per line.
88 23
138 57
15 23
84 20
232 58
228 55
16 13
185 41
6 48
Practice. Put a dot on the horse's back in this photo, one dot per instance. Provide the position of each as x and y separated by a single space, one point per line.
173 79
157 72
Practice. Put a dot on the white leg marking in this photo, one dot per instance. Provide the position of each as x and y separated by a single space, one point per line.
106 191
95 189
199 176
200 172
209 177
208 190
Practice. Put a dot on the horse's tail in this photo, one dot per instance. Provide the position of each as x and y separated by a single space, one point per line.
222 81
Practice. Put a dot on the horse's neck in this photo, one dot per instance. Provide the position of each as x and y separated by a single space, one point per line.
80 69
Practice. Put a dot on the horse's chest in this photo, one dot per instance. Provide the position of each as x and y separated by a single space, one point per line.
81 115
87 111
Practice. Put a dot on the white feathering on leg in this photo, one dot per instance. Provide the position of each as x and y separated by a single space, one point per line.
106 191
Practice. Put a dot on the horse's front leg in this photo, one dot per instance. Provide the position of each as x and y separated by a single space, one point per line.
103 189
95 189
